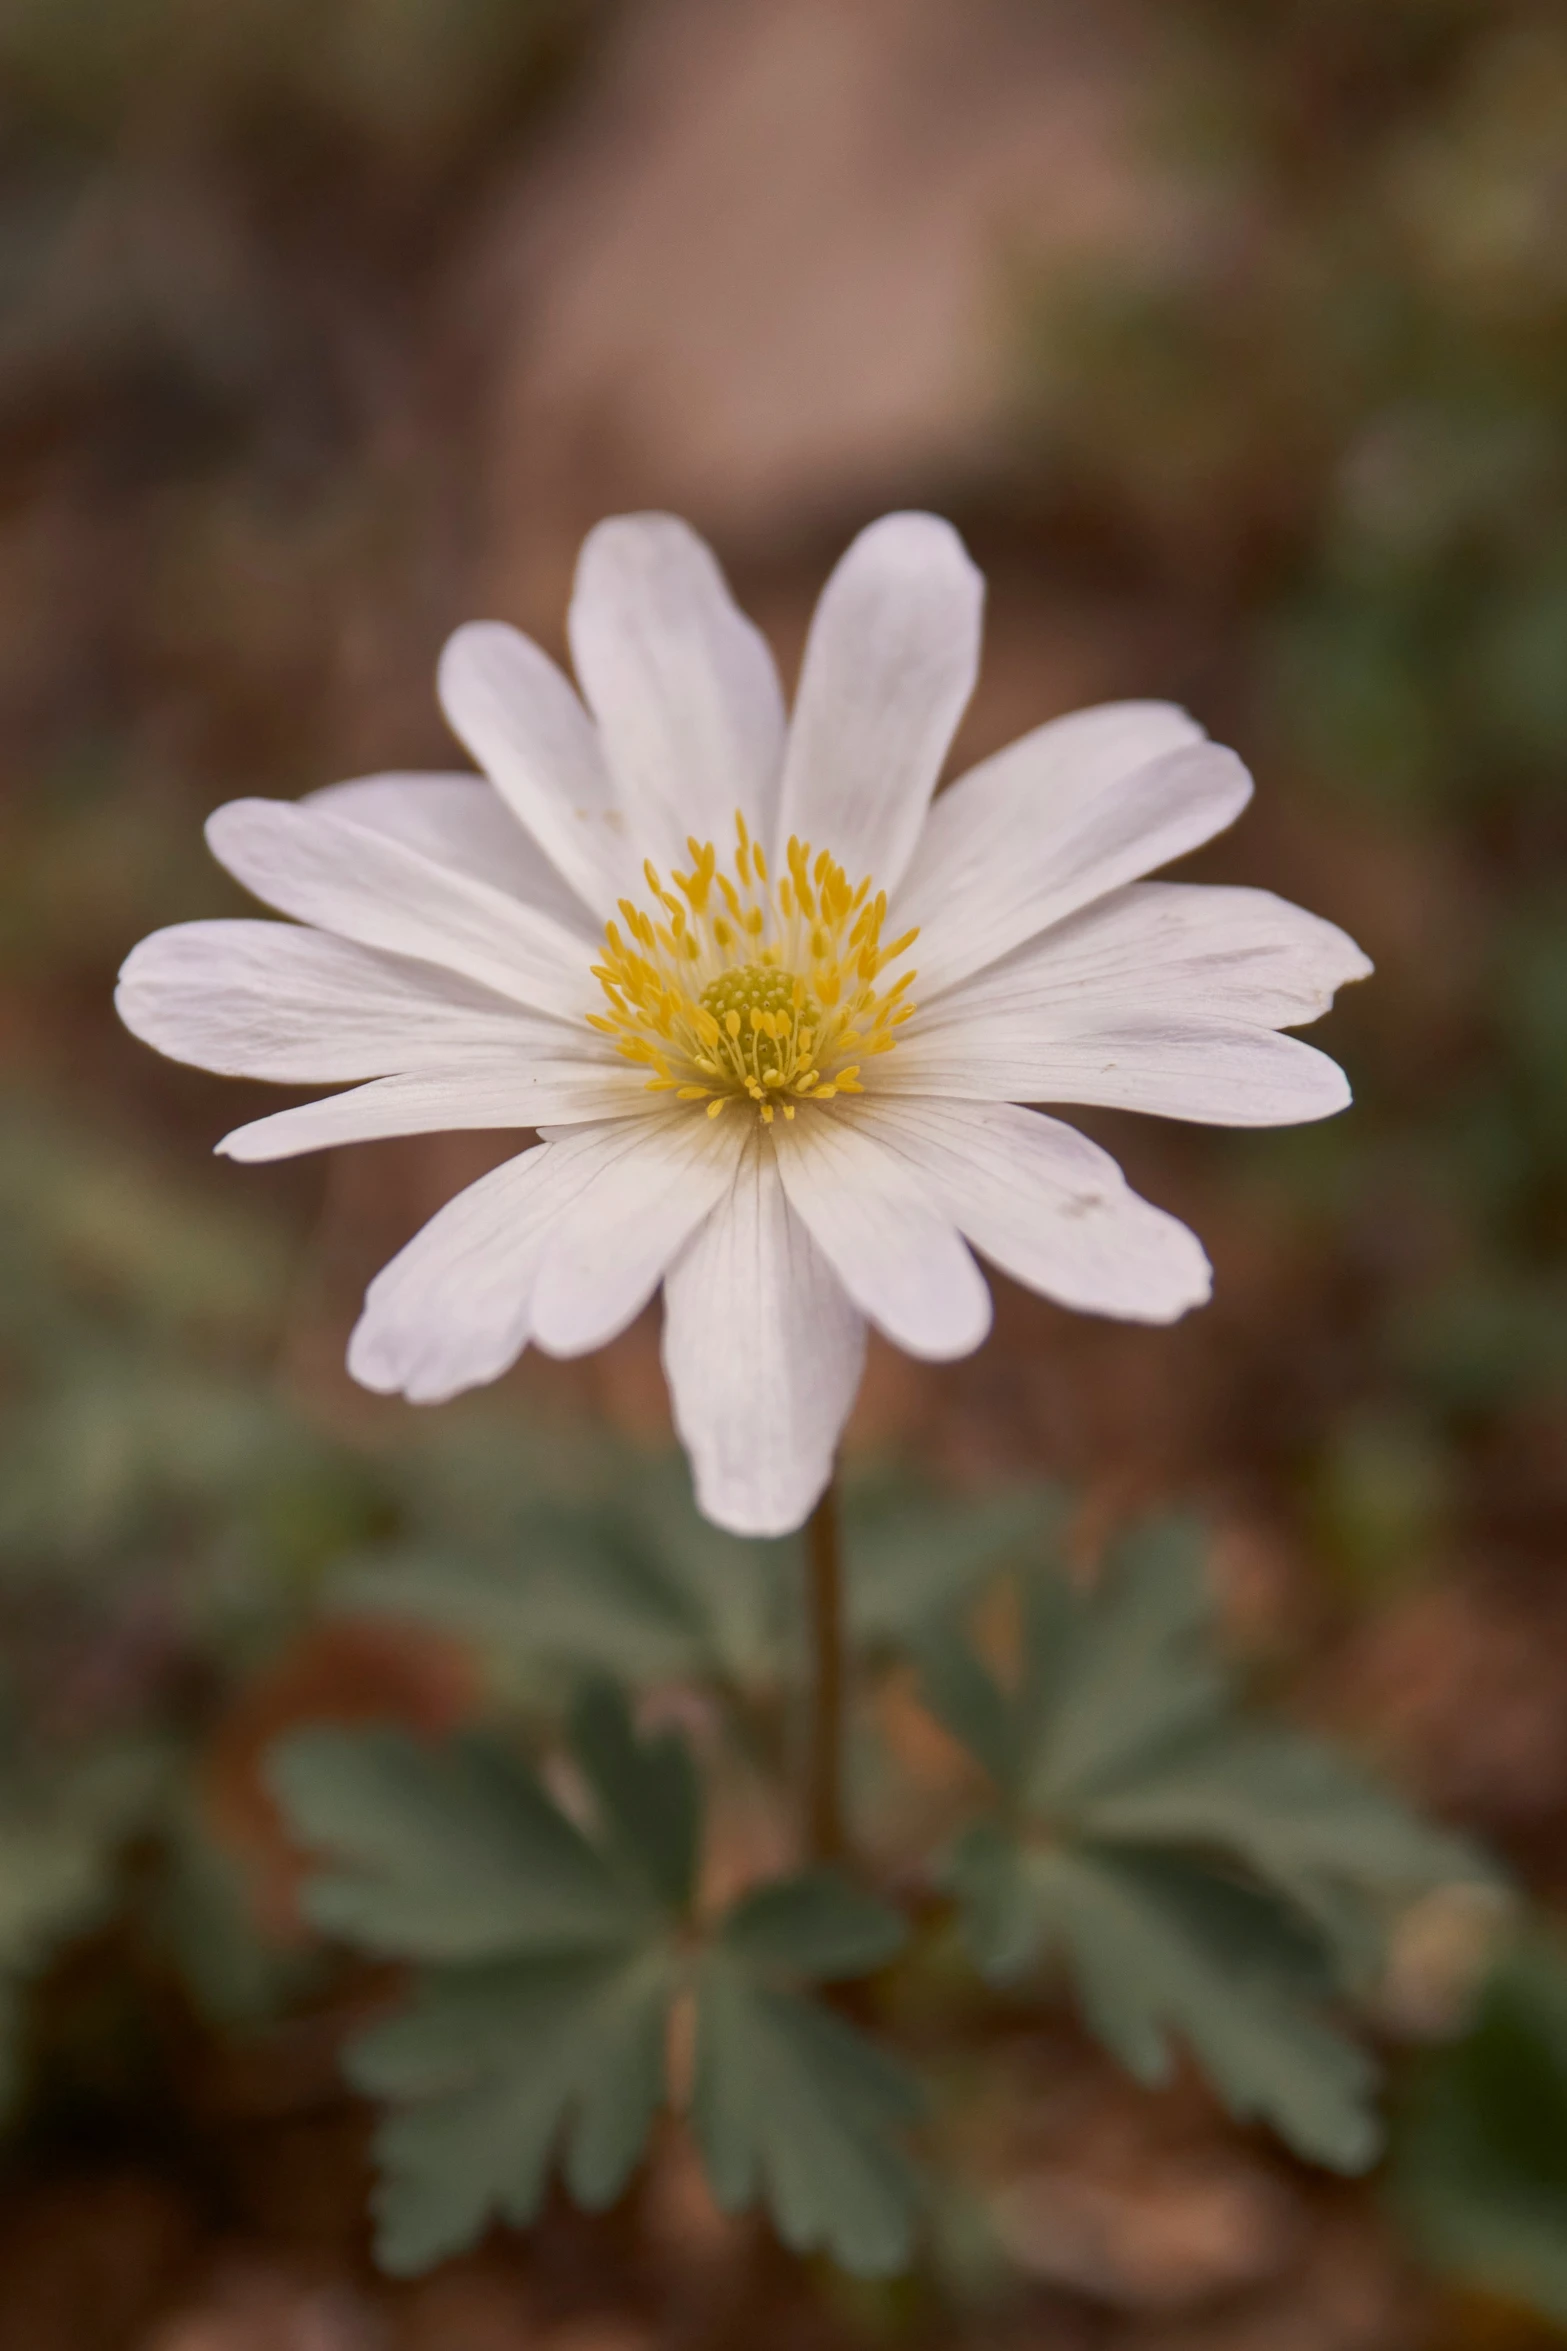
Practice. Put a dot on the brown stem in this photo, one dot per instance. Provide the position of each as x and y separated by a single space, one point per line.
824 1784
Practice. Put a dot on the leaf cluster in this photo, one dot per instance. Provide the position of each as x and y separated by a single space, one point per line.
554 1955
1206 1881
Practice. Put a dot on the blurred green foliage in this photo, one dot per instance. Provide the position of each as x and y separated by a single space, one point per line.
1316 425
1215 1885
1480 2170
169 1516
1322 407
219 229
161 1511
1325 404
404 81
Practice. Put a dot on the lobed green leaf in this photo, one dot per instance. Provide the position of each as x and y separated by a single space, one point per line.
444 1852
1205 1880
1161 1952
502 2070
792 2106
646 1789
539 2036
815 1925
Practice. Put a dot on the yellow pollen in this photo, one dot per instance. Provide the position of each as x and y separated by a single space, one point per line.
742 986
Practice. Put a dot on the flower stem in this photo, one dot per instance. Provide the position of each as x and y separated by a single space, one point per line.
824 1783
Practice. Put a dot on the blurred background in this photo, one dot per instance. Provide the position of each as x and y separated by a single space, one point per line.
1234 337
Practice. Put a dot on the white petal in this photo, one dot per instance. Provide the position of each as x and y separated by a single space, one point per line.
451 1310
763 1352
892 1246
1047 1206
889 665
517 1092
517 714
1189 949
363 885
609 1249
1063 817
269 1000
682 685
454 1309
1199 1070
461 821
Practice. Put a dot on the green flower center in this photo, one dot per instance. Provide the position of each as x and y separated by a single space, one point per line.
788 1019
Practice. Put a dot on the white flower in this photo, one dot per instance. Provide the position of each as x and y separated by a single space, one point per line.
770 1008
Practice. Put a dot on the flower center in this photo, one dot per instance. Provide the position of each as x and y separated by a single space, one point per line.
734 985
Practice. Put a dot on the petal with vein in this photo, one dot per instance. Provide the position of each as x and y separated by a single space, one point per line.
1189 948
271 1000
763 1351
1061 818
516 712
681 684
451 1310
889 665
461 821
365 886
1048 1207
516 1092
610 1248
454 1308
1206 1071
890 1243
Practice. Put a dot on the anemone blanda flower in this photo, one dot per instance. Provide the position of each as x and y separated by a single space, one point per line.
771 1009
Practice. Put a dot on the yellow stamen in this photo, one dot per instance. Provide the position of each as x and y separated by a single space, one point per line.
731 986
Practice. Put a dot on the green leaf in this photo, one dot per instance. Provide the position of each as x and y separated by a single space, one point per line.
965 1695
793 2106
646 1790
1116 1676
1479 2173
1106 1677
815 1925
639 1587
1142 1818
497 2072
914 1556
988 1873
634 1586
565 1606
1122 1730
549 2044
1297 1814
1159 1950
539 2035
445 1853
